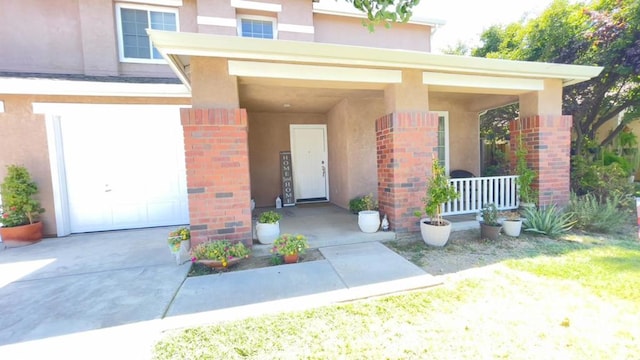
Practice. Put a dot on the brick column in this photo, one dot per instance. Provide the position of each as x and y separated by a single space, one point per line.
548 142
405 142
217 161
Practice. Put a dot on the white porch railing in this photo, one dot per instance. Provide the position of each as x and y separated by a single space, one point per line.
479 191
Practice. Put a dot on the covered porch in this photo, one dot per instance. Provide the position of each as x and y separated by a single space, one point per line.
387 114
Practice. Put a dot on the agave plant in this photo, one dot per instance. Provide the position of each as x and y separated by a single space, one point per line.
547 220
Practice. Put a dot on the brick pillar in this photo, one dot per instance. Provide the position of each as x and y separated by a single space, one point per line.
548 142
217 161
405 142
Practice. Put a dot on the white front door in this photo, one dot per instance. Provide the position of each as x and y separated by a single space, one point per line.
124 166
309 157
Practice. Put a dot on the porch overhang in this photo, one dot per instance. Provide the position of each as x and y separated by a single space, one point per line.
456 72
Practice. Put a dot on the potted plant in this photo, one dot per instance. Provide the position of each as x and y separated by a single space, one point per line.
219 254
435 230
268 227
179 244
290 247
512 224
489 226
525 177
19 210
369 217
357 204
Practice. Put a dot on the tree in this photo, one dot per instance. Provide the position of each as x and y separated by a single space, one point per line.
385 11
604 33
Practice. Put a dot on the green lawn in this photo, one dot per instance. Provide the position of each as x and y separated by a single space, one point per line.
573 302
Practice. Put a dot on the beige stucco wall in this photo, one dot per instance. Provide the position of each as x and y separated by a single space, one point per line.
352 149
268 135
332 29
464 133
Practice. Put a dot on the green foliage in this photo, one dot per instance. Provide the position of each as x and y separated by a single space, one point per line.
547 220
525 175
177 236
269 217
384 11
624 151
603 181
361 203
288 244
490 214
220 250
439 191
593 214
609 157
17 191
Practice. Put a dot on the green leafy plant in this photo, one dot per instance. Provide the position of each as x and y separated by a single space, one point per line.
356 204
369 202
439 191
547 220
219 250
593 214
525 175
17 191
290 244
269 217
177 236
490 215
593 177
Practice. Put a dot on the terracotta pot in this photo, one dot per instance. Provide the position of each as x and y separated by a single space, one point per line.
291 259
490 232
21 235
218 264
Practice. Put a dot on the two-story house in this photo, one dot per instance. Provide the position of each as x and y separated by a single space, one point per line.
159 112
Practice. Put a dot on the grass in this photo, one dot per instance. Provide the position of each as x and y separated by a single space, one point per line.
554 299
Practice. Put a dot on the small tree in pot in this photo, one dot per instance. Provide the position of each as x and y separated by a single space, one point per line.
435 230
20 211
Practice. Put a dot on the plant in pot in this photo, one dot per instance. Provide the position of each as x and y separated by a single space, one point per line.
512 224
179 244
525 177
290 247
369 217
268 227
435 230
19 211
357 204
219 254
489 226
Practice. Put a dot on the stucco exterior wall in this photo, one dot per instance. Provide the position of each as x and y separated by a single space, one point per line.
464 134
268 135
332 29
352 149
24 142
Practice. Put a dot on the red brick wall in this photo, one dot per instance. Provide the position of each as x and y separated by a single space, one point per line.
548 142
217 161
405 142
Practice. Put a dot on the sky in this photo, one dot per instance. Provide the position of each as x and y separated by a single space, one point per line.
466 19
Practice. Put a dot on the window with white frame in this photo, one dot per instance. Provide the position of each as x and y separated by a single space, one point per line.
134 43
257 27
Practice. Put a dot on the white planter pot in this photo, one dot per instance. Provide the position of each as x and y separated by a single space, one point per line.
434 235
512 227
369 221
267 233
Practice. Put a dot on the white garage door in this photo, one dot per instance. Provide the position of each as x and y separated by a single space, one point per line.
124 166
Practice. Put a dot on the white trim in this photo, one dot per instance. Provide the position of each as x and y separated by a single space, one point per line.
90 88
58 177
274 24
255 5
192 44
303 29
146 8
329 9
447 151
1 106
325 157
216 21
313 72
485 82
174 3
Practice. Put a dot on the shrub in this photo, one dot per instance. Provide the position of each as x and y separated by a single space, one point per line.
19 207
593 214
357 204
603 181
269 217
547 220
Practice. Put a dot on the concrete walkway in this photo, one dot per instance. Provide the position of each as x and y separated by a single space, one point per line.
112 294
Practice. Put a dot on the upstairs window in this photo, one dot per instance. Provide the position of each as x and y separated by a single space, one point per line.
257 27
134 43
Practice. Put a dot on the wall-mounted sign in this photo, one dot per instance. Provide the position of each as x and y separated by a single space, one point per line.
286 172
